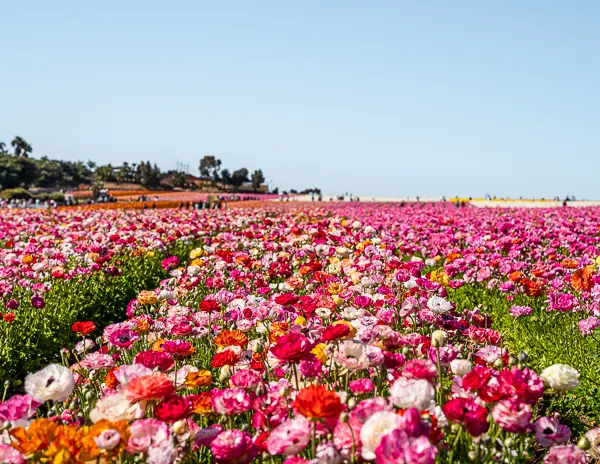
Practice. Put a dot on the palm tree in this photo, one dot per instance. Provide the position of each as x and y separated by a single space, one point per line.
21 147
2 147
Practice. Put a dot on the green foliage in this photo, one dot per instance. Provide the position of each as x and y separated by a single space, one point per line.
16 194
36 336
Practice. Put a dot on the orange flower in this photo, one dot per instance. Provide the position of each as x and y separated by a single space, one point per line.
157 345
569 263
581 280
200 403
231 338
110 380
452 256
532 288
295 282
198 379
27 259
515 276
103 432
147 297
316 402
142 326
153 386
278 329
305 270
334 288
35 438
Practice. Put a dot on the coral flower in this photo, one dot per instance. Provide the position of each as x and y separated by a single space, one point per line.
316 402
83 328
581 280
146 297
201 403
224 358
154 386
231 338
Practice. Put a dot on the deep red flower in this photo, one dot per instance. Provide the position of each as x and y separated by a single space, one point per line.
468 413
477 378
287 299
522 384
83 328
172 409
208 306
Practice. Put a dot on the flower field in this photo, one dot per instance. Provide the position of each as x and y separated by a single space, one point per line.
331 333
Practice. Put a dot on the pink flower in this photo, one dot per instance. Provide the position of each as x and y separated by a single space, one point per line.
145 433
566 454
97 361
512 415
562 301
311 369
419 369
231 401
233 446
123 338
520 310
9 455
361 386
549 431
587 326
18 409
204 437
366 408
397 448
246 379
289 438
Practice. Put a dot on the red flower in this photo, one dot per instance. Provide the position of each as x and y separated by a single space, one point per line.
152 359
178 348
292 347
224 358
287 299
522 384
9 317
316 402
208 306
468 413
83 328
334 332
477 378
172 409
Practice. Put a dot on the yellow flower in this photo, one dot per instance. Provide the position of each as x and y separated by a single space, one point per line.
300 320
197 262
150 254
337 300
598 260
319 352
27 259
334 288
334 260
147 297
196 253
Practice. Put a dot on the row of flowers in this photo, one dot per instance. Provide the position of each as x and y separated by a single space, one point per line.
300 336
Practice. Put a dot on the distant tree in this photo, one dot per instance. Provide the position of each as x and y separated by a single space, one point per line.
209 168
2 148
257 179
178 179
239 177
293 191
105 173
275 191
91 165
21 147
17 171
226 177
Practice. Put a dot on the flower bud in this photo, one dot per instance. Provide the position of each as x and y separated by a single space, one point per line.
438 339
584 443
523 357
180 427
224 374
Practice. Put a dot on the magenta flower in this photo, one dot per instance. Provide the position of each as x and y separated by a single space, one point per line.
231 401
233 446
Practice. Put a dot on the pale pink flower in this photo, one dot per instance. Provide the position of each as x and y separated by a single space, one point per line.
290 437
231 401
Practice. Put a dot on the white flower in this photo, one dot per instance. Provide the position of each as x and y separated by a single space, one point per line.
438 305
460 366
410 283
438 338
352 355
116 408
53 382
108 439
376 426
323 312
412 393
164 453
560 377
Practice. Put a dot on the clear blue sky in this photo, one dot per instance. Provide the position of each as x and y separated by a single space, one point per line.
374 97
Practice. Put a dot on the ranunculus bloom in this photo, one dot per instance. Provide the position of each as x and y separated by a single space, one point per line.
412 393
155 386
147 433
224 358
231 401
549 431
83 328
292 347
397 447
316 402
172 409
468 413
361 386
566 454
334 332
18 410
587 326
560 377
246 379
374 429
512 415
290 437
123 338
178 348
54 382
233 446
153 359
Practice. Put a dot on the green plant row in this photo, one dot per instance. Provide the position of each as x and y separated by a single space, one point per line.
36 336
